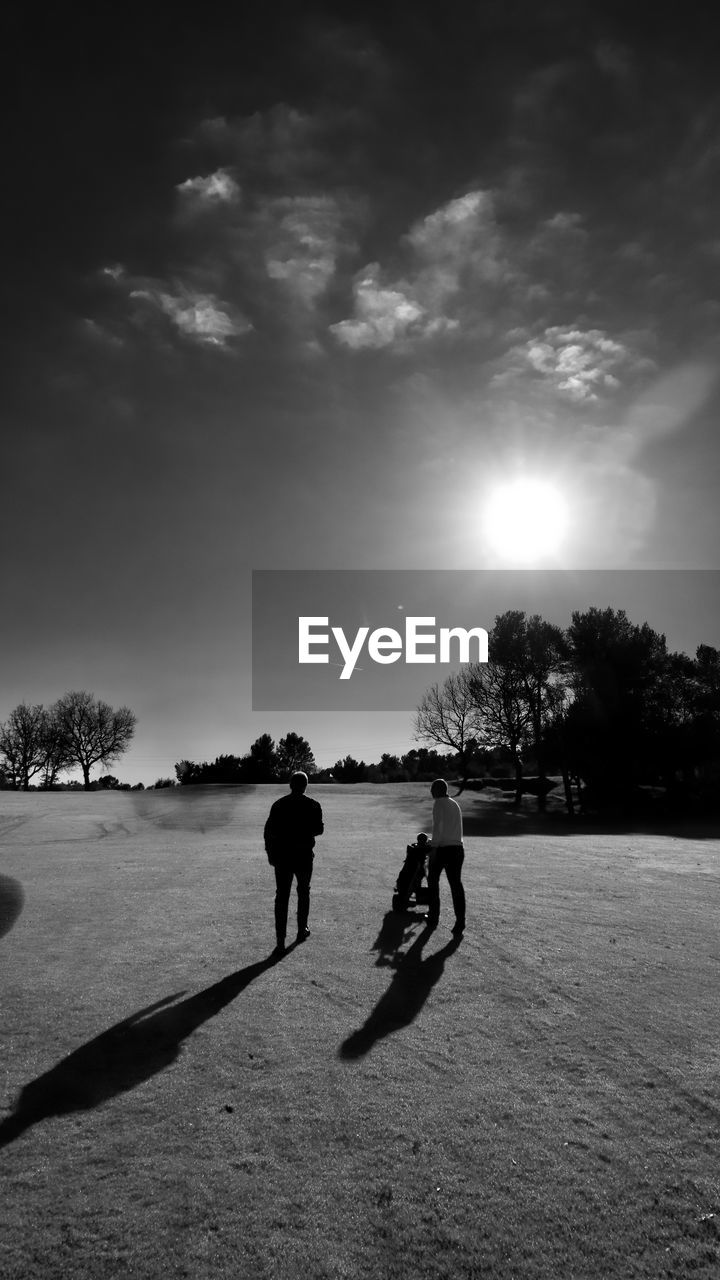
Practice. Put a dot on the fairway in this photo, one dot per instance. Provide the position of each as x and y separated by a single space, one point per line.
540 1100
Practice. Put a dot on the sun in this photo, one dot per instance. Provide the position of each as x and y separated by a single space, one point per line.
525 519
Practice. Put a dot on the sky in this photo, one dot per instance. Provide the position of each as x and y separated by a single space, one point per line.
318 288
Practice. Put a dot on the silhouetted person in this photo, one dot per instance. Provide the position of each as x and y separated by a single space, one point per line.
293 823
447 855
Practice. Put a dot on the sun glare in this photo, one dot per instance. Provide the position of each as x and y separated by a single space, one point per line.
525 520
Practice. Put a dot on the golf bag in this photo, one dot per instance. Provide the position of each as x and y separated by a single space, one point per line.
409 889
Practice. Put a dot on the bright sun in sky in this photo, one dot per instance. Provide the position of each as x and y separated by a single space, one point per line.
525 519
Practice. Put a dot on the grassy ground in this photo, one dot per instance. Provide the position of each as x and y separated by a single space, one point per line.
540 1101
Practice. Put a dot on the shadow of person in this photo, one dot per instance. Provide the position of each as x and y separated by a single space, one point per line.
414 980
394 932
11 903
125 1055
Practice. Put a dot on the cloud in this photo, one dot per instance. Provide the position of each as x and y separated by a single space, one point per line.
266 235
195 313
199 194
460 232
270 221
579 363
564 229
383 315
454 249
459 246
280 142
101 334
462 271
242 257
582 365
201 317
261 261
303 236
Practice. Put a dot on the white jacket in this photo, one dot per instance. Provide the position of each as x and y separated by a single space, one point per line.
447 823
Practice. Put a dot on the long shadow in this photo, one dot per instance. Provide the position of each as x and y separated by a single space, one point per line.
394 932
11 903
125 1055
500 818
414 980
494 815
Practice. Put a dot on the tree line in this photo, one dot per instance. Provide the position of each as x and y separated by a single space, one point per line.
267 761
264 762
76 732
603 703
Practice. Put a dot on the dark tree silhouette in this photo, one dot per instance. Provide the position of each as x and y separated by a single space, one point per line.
449 716
22 743
533 654
504 718
187 772
293 752
612 725
262 763
705 701
350 770
32 742
92 731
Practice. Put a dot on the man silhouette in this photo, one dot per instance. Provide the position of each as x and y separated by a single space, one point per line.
293 823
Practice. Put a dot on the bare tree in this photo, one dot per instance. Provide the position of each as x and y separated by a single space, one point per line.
57 757
504 718
448 716
92 731
507 702
25 743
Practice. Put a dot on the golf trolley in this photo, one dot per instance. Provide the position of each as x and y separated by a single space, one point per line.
410 891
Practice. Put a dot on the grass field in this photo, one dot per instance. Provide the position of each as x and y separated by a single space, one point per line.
538 1101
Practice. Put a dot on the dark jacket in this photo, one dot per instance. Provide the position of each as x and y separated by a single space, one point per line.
293 823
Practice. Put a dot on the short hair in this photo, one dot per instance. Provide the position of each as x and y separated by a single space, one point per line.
298 780
439 787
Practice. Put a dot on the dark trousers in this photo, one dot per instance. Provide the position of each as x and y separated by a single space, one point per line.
300 865
448 859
